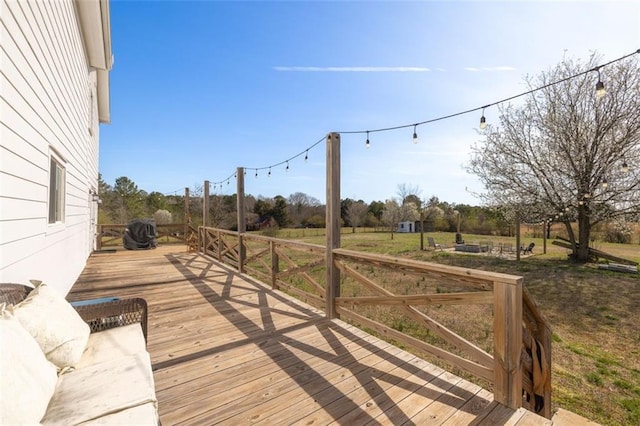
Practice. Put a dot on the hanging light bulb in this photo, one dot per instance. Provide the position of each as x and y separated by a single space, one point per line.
367 144
287 169
269 174
415 135
604 184
483 121
306 156
600 90
581 202
625 167
256 173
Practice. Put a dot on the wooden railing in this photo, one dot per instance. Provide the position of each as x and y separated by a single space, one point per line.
536 358
111 235
515 357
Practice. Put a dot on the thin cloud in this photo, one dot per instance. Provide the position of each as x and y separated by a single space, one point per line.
489 69
352 69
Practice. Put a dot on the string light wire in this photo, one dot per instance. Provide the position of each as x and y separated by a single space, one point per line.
305 152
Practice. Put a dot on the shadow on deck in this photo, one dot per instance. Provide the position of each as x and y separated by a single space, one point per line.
226 349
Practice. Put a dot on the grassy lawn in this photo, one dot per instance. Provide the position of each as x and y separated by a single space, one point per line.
593 312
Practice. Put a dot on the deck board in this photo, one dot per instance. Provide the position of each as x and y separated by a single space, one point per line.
226 349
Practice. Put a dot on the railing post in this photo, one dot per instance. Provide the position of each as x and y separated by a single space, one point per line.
99 237
220 246
242 226
201 240
333 222
205 216
518 241
507 343
275 264
187 217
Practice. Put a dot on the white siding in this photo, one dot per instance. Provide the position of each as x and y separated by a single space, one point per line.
406 227
45 107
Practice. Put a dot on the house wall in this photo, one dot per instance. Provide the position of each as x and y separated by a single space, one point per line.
48 106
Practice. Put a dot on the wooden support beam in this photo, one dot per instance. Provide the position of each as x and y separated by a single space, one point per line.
205 217
518 242
242 225
187 215
332 222
205 204
275 264
507 343
99 237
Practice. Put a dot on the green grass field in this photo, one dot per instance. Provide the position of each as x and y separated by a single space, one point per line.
593 313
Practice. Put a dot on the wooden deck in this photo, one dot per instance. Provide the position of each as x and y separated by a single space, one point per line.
226 349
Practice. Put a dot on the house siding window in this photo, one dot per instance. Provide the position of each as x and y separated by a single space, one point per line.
57 189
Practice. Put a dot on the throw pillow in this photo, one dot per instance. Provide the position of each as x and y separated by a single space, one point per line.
55 325
27 378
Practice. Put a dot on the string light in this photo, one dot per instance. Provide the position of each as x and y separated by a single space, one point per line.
625 167
269 174
306 156
256 173
483 121
604 184
173 192
600 90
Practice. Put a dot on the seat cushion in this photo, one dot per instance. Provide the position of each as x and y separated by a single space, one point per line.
27 378
145 414
88 393
112 344
55 325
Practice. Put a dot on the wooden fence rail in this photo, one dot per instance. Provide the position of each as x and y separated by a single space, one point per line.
519 364
110 235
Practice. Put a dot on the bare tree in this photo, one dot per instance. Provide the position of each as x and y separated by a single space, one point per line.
391 215
301 207
407 193
163 217
567 154
356 213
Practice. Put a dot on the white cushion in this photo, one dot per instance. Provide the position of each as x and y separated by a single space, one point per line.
112 344
88 393
27 378
55 325
145 414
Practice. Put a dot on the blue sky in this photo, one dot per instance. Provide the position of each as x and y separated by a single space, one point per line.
201 88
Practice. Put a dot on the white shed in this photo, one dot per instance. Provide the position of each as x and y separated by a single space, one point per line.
54 92
408 226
